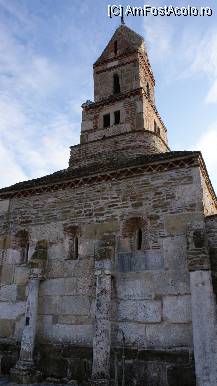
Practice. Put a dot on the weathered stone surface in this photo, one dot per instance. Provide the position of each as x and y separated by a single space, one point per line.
151 284
169 335
11 310
7 274
8 293
140 311
4 205
177 309
177 223
204 327
21 275
6 328
140 261
134 334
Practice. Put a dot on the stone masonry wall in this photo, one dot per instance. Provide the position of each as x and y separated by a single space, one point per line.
208 202
151 307
116 148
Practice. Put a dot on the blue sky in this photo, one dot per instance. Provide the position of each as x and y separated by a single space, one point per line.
47 48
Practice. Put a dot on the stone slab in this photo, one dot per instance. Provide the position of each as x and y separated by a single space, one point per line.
140 311
177 309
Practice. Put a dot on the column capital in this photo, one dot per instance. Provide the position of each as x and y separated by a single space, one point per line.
36 273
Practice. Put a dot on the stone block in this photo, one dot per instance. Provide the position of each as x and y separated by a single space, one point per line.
22 290
52 287
149 284
59 305
8 293
140 311
96 231
188 193
169 335
177 309
140 261
75 334
177 223
52 232
19 325
6 328
12 256
12 310
56 251
75 305
7 274
73 319
82 285
4 205
68 268
21 275
134 334
175 252
48 305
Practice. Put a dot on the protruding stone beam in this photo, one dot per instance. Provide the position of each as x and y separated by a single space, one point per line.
102 335
204 319
24 371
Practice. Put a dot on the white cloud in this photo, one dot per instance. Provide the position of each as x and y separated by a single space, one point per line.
35 132
207 144
158 35
204 61
10 171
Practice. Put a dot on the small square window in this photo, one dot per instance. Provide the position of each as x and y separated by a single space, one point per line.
106 120
117 117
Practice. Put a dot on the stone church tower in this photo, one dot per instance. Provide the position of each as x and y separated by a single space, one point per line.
108 268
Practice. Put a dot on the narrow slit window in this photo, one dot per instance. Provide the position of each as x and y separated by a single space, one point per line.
106 120
76 247
115 47
155 127
27 321
117 117
148 89
116 84
139 240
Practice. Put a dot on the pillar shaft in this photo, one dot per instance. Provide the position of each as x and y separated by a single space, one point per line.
102 337
29 331
204 319
24 371
204 327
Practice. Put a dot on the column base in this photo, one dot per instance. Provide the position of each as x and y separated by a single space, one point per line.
25 372
101 382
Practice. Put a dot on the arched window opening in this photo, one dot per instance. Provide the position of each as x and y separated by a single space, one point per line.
148 89
23 243
73 248
116 84
139 239
115 47
72 241
117 117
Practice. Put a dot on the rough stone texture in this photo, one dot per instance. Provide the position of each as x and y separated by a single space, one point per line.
126 199
204 327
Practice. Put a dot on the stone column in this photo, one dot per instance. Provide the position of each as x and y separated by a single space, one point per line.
102 336
204 319
24 371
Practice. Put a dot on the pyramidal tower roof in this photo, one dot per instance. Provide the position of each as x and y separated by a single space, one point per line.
129 41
